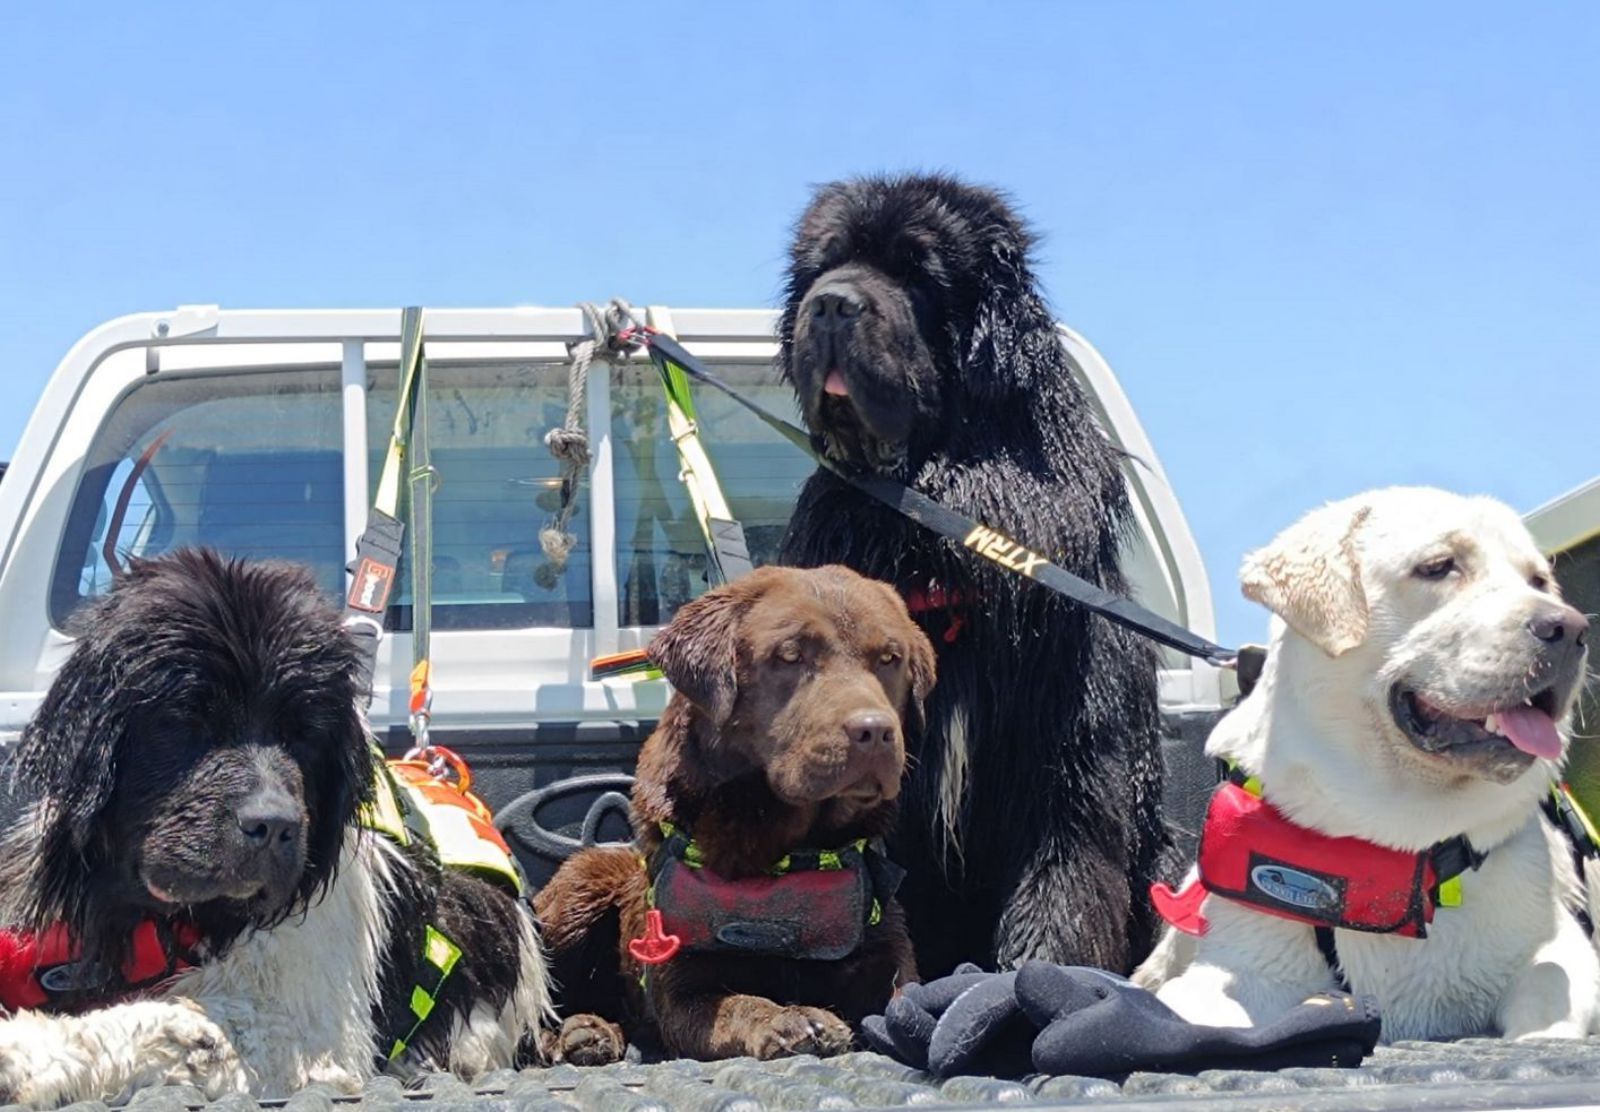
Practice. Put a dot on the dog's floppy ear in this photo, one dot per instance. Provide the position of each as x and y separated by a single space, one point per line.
920 663
1002 321
698 651
1310 576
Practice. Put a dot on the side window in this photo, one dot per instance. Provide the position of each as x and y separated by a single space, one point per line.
498 487
661 557
1578 572
248 463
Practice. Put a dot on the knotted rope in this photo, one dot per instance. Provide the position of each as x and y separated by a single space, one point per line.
569 444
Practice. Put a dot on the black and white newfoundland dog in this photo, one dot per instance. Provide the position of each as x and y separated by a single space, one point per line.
920 348
198 765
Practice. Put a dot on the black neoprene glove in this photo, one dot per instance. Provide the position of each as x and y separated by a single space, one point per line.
968 1022
1074 1020
1095 1025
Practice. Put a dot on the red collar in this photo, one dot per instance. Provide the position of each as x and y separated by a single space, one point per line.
39 971
1252 854
935 598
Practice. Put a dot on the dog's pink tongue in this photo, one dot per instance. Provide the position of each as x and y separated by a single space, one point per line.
834 384
1530 730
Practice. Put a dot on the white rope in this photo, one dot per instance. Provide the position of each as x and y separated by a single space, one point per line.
569 443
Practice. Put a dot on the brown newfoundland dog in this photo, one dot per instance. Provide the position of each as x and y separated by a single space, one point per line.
921 350
754 915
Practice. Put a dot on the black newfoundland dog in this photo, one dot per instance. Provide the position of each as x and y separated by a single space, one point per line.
220 914
921 349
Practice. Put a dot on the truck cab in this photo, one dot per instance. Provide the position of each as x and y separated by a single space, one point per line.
261 434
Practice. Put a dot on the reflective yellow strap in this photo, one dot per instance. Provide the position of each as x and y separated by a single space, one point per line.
697 475
691 852
383 813
828 860
1564 795
877 914
388 496
1252 784
442 954
1450 892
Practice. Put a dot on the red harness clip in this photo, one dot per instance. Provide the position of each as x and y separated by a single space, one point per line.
657 946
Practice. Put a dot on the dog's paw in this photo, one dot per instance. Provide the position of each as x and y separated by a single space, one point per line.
201 1055
586 1040
799 1030
39 1066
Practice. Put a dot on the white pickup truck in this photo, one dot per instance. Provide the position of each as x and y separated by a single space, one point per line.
259 433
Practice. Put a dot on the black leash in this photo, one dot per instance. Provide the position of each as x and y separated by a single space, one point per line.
989 543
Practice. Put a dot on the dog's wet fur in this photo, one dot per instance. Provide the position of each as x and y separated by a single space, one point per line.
201 758
1420 679
793 690
920 348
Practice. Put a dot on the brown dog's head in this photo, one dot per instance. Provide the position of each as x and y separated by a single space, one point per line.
810 676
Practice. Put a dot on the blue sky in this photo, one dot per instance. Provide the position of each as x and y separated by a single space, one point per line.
1325 247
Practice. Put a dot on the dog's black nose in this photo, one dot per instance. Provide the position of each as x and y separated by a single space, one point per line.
834 308
266 823
1555 626
870 727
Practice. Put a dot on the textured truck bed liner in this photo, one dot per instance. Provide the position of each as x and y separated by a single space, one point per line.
1471 1074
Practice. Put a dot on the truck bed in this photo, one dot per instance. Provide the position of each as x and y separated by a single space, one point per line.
1471 1074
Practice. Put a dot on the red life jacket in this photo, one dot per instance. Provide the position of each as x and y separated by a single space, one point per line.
814 904
1251 853
45 970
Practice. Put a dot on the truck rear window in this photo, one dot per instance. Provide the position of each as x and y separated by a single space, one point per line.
498 486
661 556
249 463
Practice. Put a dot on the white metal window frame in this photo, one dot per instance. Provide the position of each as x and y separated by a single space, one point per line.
487 678
1568 520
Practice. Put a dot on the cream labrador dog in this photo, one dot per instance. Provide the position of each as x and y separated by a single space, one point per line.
1421 667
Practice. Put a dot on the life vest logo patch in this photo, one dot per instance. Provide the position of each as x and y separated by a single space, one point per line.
765 938
1311 893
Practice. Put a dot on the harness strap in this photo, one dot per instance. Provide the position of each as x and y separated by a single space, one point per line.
1561 807
377 561
724 536
1329 949
420 512
439 955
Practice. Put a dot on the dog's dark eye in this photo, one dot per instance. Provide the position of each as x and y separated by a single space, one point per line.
788 652
1437 568
1539 582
